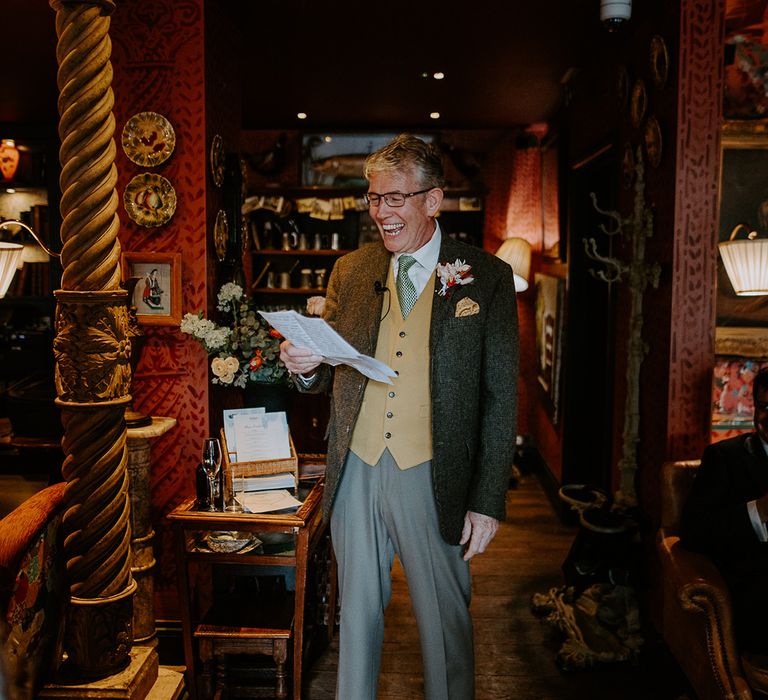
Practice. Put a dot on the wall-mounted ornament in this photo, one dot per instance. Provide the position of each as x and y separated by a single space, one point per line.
149 199
148 139
628 166
659 57
221 235
653 142
217 160
639 102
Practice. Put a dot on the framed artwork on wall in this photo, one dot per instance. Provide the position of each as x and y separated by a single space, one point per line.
550 298
743 200
157 294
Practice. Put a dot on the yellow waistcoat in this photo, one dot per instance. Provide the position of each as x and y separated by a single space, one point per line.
399 416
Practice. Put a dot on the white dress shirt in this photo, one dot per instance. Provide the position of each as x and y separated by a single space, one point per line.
426 261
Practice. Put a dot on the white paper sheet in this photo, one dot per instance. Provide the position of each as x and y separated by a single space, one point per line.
261 436
229 426
318 336
268 482
268 501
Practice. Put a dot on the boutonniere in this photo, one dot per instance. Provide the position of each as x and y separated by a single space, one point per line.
453 275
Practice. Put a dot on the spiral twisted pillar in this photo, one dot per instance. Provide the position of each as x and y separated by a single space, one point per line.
92 349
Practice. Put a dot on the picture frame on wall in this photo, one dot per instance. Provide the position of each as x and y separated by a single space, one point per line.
743 200
157 294
550 305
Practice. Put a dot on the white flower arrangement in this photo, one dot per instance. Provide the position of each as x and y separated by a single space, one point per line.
246 351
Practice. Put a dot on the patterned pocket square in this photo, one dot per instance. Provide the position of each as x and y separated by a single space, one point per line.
467 307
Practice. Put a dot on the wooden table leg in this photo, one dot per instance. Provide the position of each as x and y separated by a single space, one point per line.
182 577
302 554
279 654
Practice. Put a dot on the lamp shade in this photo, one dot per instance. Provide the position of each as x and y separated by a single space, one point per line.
746 262
9 158
10 257
516 252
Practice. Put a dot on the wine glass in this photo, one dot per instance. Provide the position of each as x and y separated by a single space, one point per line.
211 466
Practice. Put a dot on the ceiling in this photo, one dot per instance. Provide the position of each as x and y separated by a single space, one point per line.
356 66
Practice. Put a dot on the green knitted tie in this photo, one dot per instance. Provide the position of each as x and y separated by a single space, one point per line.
406 292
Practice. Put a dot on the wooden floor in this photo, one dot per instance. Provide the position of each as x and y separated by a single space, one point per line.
515 652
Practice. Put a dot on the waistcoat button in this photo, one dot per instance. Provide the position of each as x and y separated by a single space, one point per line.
387 435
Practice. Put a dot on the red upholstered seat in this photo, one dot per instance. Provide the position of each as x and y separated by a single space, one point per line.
32 593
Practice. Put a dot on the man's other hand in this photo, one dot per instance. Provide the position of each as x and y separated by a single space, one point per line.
478 531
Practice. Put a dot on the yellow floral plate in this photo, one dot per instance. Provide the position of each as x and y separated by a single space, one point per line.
150 200
148 139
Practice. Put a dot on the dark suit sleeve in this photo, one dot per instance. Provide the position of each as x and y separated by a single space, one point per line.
715 520
498 409
324 372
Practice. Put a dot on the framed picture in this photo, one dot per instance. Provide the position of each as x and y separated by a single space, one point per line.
550 295
743 200
336 160
157 294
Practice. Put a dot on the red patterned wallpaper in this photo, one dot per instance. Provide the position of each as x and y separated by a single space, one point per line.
158 66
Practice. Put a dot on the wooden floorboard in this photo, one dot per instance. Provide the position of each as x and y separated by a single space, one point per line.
515 651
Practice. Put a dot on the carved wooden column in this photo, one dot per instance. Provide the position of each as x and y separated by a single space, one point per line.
92 349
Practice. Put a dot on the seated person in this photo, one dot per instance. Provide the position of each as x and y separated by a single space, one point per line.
725 518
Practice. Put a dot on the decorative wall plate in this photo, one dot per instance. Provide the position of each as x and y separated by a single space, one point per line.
217 160
149 199
221 235
639 102
148 139
659 61
653 144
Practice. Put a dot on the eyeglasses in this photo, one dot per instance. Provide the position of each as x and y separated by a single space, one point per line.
392 199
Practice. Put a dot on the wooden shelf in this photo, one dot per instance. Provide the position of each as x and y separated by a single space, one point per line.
296 251
290 290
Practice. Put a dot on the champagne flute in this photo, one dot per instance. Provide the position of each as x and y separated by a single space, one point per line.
212 466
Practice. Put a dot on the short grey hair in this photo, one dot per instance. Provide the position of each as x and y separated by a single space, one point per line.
408 151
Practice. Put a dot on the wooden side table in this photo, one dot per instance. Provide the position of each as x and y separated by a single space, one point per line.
231 626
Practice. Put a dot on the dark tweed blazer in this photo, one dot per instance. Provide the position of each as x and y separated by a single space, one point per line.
474 369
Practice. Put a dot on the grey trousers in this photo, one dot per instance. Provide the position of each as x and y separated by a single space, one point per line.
379 512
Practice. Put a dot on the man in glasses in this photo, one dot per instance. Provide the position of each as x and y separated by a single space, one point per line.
418 468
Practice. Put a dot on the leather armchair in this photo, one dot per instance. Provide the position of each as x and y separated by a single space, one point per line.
696 617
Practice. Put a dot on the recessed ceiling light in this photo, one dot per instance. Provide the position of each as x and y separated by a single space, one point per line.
439 75
434 115
302 115
425 74
328 139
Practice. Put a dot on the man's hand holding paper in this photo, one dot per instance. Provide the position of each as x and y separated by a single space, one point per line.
312 341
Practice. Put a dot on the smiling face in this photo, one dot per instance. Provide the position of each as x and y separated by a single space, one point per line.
404 229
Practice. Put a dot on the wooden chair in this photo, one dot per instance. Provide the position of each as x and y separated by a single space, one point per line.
697 620
264 627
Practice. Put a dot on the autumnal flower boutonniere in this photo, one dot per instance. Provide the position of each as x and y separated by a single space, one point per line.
453 275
